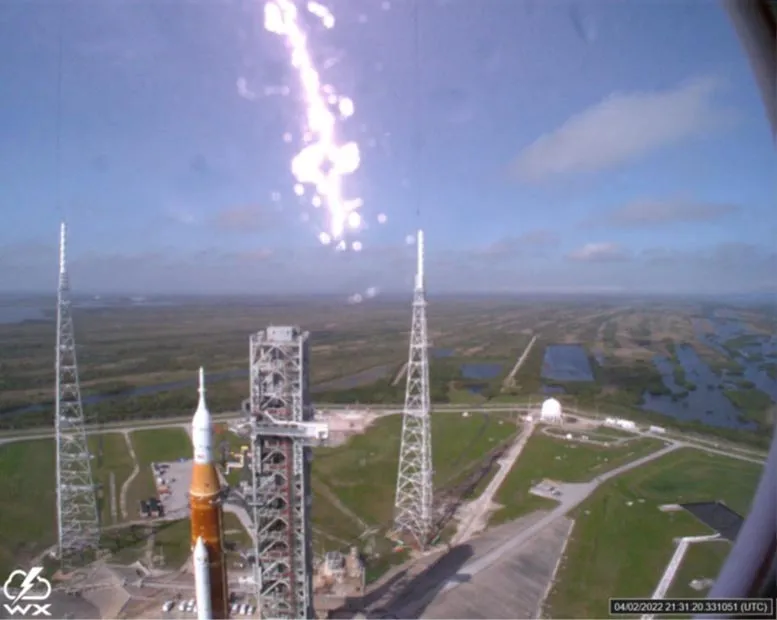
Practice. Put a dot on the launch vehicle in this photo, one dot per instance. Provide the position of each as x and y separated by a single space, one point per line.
207 533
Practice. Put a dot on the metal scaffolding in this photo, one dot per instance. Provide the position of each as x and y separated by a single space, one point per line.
413 508
78 523
282 431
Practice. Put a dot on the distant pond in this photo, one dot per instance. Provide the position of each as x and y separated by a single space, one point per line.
481 370
706 403
566 362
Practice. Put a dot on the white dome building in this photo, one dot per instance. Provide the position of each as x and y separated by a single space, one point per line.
551 411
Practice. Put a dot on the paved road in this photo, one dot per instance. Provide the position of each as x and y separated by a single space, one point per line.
510 379
574 495
700 443
478 509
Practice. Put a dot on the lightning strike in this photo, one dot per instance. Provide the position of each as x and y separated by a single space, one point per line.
322 162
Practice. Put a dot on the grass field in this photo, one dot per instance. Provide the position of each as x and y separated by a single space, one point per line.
457 443
354 484
702 561
343 495
168 542
621 542
563 461
155 446
27 519
27 475
609 431
110 456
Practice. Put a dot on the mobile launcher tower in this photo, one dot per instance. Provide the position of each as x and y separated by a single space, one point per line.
282 433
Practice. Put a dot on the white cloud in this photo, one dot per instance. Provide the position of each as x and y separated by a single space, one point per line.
182 215
534 242
244 90
656 212
599 252
727 267
246 219
622 128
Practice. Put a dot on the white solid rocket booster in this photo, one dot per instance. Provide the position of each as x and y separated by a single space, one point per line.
201 427
202 581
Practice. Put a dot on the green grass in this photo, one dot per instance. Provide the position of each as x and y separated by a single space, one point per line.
458 442
333 529
161 445
27 519
234 531
154 446
170 540
702 561
754 404
608 431
563 461
461 396
362 474
27 473
617 549
110 456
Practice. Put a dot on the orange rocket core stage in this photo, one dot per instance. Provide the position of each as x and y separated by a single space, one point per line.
207 523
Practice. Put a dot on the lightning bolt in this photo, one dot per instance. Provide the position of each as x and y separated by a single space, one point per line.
28 583
323 162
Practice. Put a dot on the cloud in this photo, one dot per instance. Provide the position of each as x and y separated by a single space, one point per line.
244 90
736 256
604 267
245 219
181 215
599 253
622 128
734 265
657 213
531 242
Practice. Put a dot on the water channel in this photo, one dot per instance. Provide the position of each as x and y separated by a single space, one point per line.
566 362
708 403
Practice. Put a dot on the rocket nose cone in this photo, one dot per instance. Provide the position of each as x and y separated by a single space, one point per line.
200 551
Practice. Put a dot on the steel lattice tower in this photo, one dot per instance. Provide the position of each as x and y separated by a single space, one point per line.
77 517
282 431
413 505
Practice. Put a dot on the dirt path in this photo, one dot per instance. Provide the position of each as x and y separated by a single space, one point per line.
132 476
510 379
114 498
475 514
400 374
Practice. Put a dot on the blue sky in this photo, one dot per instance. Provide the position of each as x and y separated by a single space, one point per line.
548 146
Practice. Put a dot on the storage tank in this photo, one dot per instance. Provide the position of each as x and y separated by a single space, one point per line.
551 411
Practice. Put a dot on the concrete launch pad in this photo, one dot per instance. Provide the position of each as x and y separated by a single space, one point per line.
177 478
513 587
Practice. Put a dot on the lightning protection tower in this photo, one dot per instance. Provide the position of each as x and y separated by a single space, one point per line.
282 432
413 505
77 518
